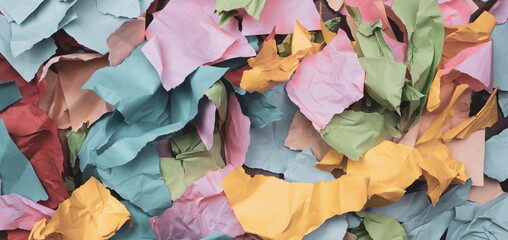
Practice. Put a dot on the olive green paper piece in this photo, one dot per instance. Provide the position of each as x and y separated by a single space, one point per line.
191 162
353 133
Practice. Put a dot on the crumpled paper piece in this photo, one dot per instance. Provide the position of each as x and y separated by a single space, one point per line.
90 213
290 210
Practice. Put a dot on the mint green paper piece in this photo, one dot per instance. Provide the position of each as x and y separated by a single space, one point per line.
371 41
16 172
252 7
380 227
384 81
191 162
9 94
410 94
27 63
425 29
354 133
40 25
217 236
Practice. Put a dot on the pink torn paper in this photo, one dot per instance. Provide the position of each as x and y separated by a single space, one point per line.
192 38
202 210
500 11
301 126
455 12
205 122
484 194
476 62
67 97
371 11
18 212
236 142
399 49
125 39
282 15
327 82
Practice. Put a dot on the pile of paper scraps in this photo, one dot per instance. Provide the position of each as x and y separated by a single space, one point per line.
253 119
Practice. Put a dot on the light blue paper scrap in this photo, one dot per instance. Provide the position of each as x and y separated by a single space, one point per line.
19 10
16 172
92 28
27 63
496 163
500 58
481 221
124 8
266 149
303 169
408 207
333 228
258 108
433 221
39 25
502 99
140 229
9 94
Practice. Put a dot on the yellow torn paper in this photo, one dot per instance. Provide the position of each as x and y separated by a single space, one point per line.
271 208
440 168
269 69
486 117
90 213
435 129
391 167
331 161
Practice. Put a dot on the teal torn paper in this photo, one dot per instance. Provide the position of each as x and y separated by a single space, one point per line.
140 229
266 149
16 172
9 94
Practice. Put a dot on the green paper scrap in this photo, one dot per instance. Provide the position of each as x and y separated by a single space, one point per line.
219 96
252 7
371 41
354 133
75 141
425 29
380 227
16 172
9 94
384 81
225 17
191 162
410 93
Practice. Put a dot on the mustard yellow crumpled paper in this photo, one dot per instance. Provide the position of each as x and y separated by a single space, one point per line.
271 208
90 213
268 69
